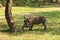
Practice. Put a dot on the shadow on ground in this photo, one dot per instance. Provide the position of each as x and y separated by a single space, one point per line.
51 31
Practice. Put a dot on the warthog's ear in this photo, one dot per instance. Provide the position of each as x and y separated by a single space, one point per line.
26 17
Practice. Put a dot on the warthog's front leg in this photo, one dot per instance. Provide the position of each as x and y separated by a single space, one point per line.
30 28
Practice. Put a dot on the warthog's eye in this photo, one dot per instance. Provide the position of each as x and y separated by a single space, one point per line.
28 21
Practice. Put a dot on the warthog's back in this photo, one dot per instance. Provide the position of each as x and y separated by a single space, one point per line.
36 19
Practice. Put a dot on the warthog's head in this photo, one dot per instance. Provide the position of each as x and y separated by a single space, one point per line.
27 22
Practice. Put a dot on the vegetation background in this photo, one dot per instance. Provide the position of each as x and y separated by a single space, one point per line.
21 8
32 3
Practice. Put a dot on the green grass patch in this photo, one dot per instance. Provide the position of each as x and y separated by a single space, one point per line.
53 25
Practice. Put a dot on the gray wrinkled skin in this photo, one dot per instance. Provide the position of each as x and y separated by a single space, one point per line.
31 20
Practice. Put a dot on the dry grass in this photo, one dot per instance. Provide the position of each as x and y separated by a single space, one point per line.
20 10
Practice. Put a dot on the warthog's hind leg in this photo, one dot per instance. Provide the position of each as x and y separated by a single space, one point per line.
44 24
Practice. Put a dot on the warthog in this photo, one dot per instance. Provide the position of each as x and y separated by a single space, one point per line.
31 20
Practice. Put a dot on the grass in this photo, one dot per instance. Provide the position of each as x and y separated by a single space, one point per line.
53 24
